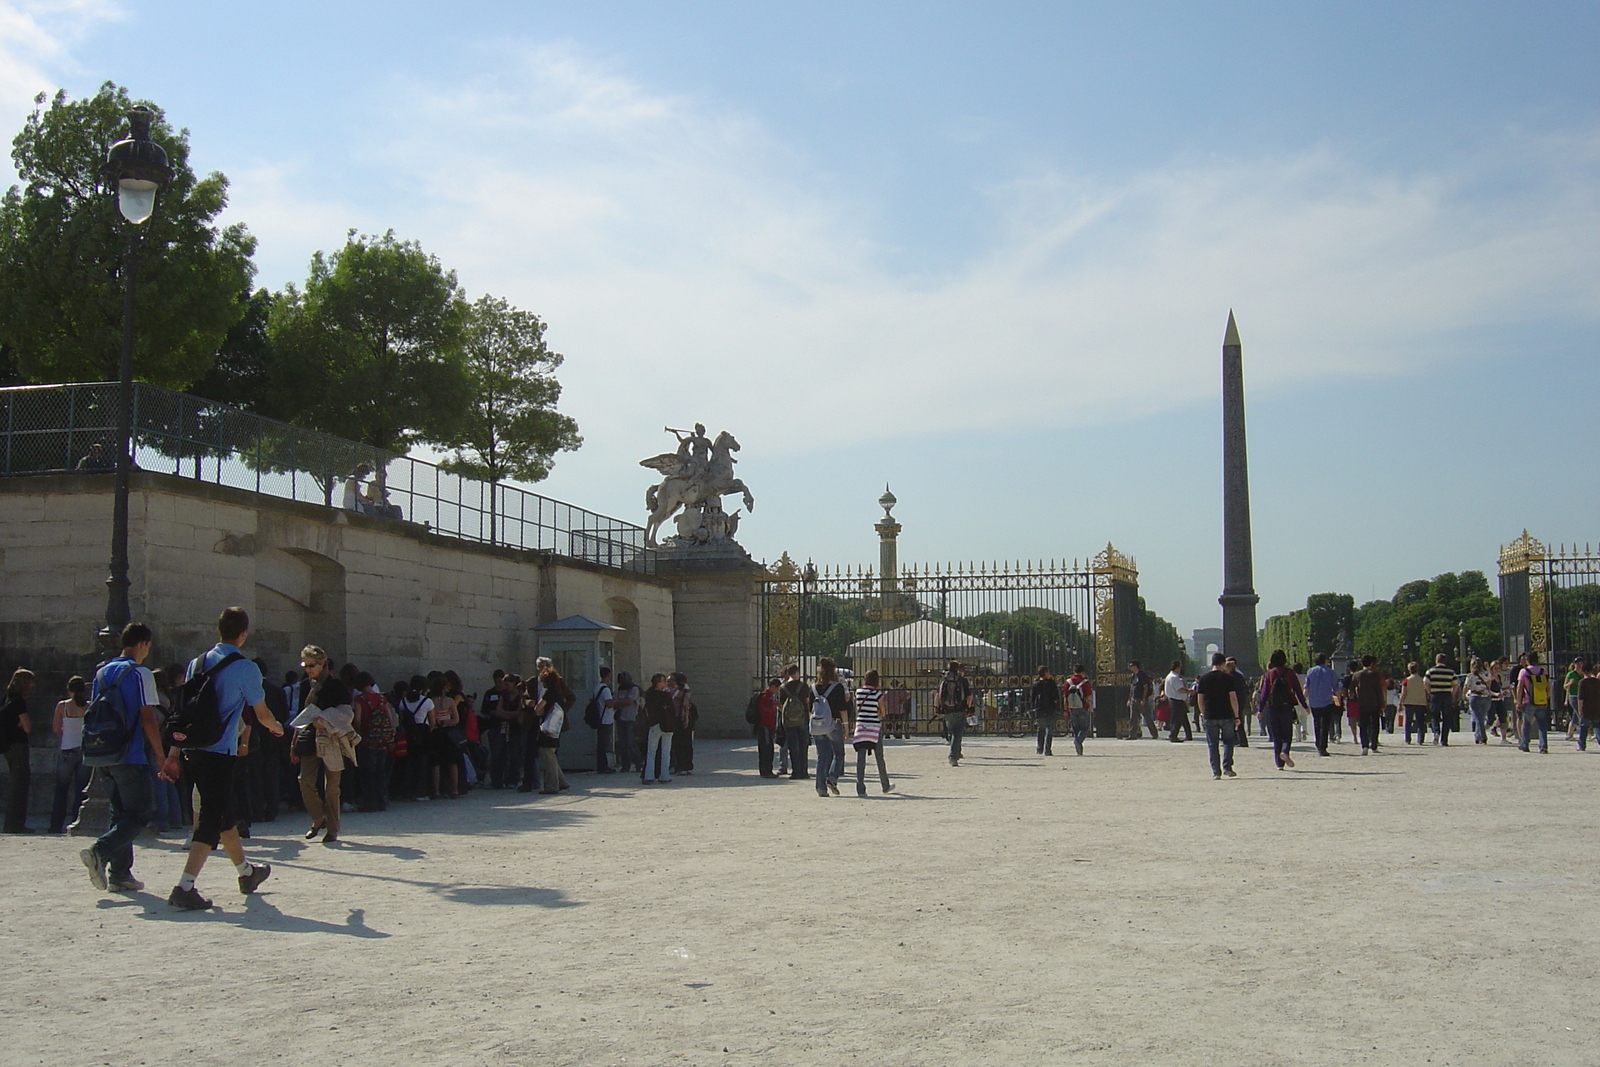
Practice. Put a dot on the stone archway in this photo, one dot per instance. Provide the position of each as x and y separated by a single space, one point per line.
626 615
300 600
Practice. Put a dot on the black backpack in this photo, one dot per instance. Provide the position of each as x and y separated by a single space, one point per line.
1280 697
592 711
950 696
196 720
106 730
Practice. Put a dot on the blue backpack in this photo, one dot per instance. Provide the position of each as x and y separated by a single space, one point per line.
107 728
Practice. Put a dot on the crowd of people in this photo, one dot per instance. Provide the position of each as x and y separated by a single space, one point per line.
328 741
272 747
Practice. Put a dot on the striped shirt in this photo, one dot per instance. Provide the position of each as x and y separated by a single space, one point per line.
1441 679
868 725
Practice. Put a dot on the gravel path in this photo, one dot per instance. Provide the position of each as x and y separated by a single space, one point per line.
1419 906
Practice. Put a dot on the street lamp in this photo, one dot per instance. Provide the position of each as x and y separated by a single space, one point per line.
1461 639
136 169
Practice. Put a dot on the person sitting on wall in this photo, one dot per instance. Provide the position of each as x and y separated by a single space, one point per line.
96 460
352 489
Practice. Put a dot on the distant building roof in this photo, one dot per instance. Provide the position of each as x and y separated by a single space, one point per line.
576 622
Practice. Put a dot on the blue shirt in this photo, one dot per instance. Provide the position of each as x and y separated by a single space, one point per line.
1321 684
238 687
138 688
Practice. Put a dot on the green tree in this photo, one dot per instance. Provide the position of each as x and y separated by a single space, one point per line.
371 348
511 428
62 253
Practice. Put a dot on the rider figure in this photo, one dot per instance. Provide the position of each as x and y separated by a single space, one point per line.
694 449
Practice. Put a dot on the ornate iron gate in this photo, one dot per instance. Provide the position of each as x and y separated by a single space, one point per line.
1549 600
1001 621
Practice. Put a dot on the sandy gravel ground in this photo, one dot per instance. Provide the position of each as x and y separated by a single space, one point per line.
1423 906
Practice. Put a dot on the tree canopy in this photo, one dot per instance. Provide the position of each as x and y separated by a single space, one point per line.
62 253
370 349
511 428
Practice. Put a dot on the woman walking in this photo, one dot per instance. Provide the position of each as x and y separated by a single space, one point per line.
829 704
1414 702
661 723
868 736
71 774
323 742
1497 699
1278 701
1477 687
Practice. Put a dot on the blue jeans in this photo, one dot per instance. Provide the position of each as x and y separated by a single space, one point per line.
1585 728
128 787
71 777
1046 730
829 761
1535 719
1080 720
1479 708
164 811
955 723
1219 736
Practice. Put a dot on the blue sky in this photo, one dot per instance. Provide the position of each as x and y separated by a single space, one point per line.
983 252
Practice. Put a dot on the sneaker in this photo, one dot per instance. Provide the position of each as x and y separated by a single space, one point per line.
130 884
1229 773
833 787
97 868
259 872
1216 777
187 899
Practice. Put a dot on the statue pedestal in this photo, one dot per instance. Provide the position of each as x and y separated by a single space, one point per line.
716 623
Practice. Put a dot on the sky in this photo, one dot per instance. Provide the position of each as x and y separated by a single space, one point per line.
982 253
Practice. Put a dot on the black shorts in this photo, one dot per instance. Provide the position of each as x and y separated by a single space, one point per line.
212 775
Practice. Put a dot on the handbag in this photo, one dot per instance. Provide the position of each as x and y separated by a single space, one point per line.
972 718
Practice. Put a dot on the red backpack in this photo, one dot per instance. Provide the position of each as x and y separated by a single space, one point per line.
377 720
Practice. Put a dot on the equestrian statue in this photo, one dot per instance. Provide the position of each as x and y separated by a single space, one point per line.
695 478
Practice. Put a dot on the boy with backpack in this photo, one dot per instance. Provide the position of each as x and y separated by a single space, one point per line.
204 728
955 701
1533 697
121 728
1077 696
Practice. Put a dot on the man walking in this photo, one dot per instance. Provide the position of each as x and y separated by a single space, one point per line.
1141 702
1046 700
1370 695
1442 690
1178 692
1533 697
132 688
237 683
794 703
1220 715
1321 684
955 700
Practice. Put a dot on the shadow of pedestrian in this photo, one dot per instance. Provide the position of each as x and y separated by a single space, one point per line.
259 914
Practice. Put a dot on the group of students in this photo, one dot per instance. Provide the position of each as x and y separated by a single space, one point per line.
791 716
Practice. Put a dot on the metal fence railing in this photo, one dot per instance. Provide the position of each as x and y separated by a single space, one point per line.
56 428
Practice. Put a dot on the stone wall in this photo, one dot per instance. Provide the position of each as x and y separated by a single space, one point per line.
389 596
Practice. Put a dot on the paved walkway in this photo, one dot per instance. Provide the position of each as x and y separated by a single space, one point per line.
1419 906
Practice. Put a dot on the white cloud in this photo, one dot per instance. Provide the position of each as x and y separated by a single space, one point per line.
689 266
35 42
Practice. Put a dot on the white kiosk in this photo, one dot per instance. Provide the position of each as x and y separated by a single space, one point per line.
578 646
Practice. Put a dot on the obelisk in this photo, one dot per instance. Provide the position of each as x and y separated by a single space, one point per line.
1238 598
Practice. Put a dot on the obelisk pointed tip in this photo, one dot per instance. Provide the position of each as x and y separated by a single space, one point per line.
1231 338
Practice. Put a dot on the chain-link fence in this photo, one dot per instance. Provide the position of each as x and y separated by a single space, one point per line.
55 428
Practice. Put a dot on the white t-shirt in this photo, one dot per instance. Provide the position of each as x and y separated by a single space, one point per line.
1173 686
607 715
418 711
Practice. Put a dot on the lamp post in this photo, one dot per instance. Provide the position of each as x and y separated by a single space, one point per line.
1461 641
136 169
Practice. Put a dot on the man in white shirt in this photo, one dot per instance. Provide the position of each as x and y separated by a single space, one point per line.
1178 692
